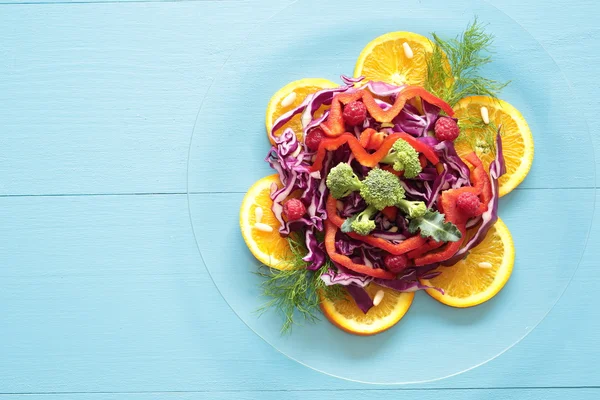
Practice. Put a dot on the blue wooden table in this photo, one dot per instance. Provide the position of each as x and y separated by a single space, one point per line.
102 290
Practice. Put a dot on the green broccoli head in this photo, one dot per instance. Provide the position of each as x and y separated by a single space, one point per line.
413 209
363 224
403 157
381 189
342 181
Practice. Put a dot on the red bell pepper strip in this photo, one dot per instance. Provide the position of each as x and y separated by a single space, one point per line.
334 126
420 147
408 93
390 212
332 215
422 160
389 168
330 231
413 91
363 156
430 245
452 214
480 180
448 251
396 249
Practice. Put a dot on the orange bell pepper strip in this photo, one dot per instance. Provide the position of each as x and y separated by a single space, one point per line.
330 231
396 249
334 126
370 139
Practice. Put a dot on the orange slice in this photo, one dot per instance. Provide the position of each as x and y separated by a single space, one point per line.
267 246
301 88
517 141
385 59
481 275
346 315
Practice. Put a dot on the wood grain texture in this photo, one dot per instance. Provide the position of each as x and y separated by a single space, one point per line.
477 394
102 98
108 293
83 115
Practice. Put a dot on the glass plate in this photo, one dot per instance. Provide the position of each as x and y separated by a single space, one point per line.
549 215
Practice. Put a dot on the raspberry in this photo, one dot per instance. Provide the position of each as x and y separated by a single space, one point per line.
446 128
313 138
468 204
294 209
355 113
395 263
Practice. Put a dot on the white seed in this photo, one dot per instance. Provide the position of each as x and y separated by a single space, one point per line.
485 116
407 50
378 297
485 265
339 205
288 100
258 213
315 174
263 227
393 229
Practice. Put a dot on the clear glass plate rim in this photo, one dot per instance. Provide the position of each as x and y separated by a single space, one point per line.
250 34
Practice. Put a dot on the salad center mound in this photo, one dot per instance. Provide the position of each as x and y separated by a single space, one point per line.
373 198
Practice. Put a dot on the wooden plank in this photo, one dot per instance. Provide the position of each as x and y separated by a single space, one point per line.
94 103
108 293
383 394
76 2
107 105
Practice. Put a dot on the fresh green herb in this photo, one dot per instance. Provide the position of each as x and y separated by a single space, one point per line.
432 225
453 68
479 136
294 292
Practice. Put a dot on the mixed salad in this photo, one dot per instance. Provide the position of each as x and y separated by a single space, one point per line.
383 194
388 183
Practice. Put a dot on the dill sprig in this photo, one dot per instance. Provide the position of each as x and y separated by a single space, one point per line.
293 292
478 135
453 67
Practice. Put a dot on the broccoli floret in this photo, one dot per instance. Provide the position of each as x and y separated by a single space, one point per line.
342 181
363 224
381 189
403 157
413 209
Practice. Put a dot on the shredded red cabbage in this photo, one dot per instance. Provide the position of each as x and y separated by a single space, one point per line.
292 161
361 297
